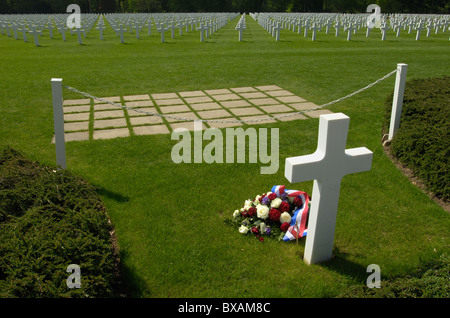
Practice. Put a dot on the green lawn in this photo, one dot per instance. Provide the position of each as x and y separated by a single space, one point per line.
169 218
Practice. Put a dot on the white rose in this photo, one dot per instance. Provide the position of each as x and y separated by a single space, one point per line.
285 218
243 229
262 211
256 201
236 213
248 204
275 203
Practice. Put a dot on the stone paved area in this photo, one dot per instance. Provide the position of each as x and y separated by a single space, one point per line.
87 119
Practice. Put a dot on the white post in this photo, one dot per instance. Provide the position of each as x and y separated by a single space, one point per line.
58 120
397 103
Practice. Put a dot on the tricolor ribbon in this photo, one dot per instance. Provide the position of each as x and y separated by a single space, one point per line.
298 221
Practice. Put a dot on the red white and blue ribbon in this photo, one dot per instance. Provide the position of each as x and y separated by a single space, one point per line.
297 227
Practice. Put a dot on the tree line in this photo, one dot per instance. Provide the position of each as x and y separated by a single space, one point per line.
151 6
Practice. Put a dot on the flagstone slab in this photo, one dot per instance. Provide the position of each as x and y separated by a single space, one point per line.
246 111
235 103
192 94
194 100
76 117
263 101
208 114
137 104
253 95
243 89
166 102
77 102
303 106
279 93
109 123
290 99
205 106
226 97
76 126
77 109
146 120
218 91
98 107
74 136
265 117
109 114
151 130
136 97
139 111
189 115
174 109
224 125
111 133
276 109
114 99
164 96
189 125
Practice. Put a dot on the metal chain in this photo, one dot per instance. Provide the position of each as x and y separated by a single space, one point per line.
229 120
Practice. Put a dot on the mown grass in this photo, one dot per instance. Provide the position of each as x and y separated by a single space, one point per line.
169 217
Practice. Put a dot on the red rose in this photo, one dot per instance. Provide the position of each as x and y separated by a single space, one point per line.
244 213
255 230
272 196
261 239
298 202
284 207
274 215
252 211
285 226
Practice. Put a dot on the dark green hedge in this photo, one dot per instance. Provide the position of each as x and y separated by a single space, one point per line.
422 142
50 219
430 281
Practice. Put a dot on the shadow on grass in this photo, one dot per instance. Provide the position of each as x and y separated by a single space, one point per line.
112 195
340 264
130 285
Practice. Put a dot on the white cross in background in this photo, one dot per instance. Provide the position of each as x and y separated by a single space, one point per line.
326 167
35 33
120 32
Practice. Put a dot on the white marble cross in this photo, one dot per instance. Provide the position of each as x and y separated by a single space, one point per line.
162 29
35 33
240 27
314 29
202 28
120 32
384 29
100 27
78 31
419 28
327 166
349 29
276 31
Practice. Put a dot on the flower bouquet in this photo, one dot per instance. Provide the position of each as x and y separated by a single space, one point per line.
280 213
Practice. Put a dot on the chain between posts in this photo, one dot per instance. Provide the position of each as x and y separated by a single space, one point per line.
229 120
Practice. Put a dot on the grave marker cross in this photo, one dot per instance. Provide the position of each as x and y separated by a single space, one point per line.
35 33
326 167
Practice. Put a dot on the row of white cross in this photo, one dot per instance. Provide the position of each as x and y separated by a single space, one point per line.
350 23
241 27
206 23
